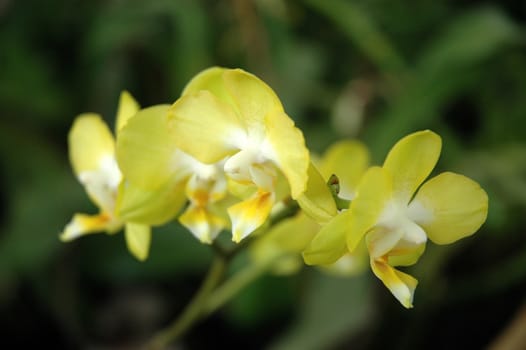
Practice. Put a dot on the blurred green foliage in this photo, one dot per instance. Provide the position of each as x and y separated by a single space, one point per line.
372 69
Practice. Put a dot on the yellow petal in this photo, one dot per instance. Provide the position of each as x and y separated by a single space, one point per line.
264 176
152 207
138 239
252 97
394 239
127 109
145 150
349 161
317 201
373 193
250 214
281 188
82 224
406 255
329 244
350 264
401 285
101 185
449 207
205 127
245 93
292 235
411 160
290 152
381 240
90 142
241 190
92 153
202 223
210 79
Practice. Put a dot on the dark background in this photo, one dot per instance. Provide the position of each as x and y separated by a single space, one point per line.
371 69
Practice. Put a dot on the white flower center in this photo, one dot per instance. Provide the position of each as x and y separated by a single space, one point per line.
253 165
394 229
207 182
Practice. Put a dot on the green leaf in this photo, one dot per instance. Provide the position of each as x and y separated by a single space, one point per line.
451 65
362 30
467 40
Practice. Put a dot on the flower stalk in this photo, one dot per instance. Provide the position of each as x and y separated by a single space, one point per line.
194 310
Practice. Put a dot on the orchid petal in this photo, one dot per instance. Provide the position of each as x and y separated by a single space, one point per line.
101 184
350 264
288 150
92 154
348 160
82 224
211 80
205 127
373 194
90 141
294 234
203 224
263 176
381 240
329 244
145 151
250 214
152 207
138 238
405 253
449 207
253 98
401 285
317 201
410 161
128 107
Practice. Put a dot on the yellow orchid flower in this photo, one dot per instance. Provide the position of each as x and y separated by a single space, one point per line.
395 221
92 155
232 116
160 178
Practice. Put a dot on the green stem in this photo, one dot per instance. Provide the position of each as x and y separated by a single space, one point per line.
234 285
209 297
194 309
241 279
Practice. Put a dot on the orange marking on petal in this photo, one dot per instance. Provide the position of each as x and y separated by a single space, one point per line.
250 214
